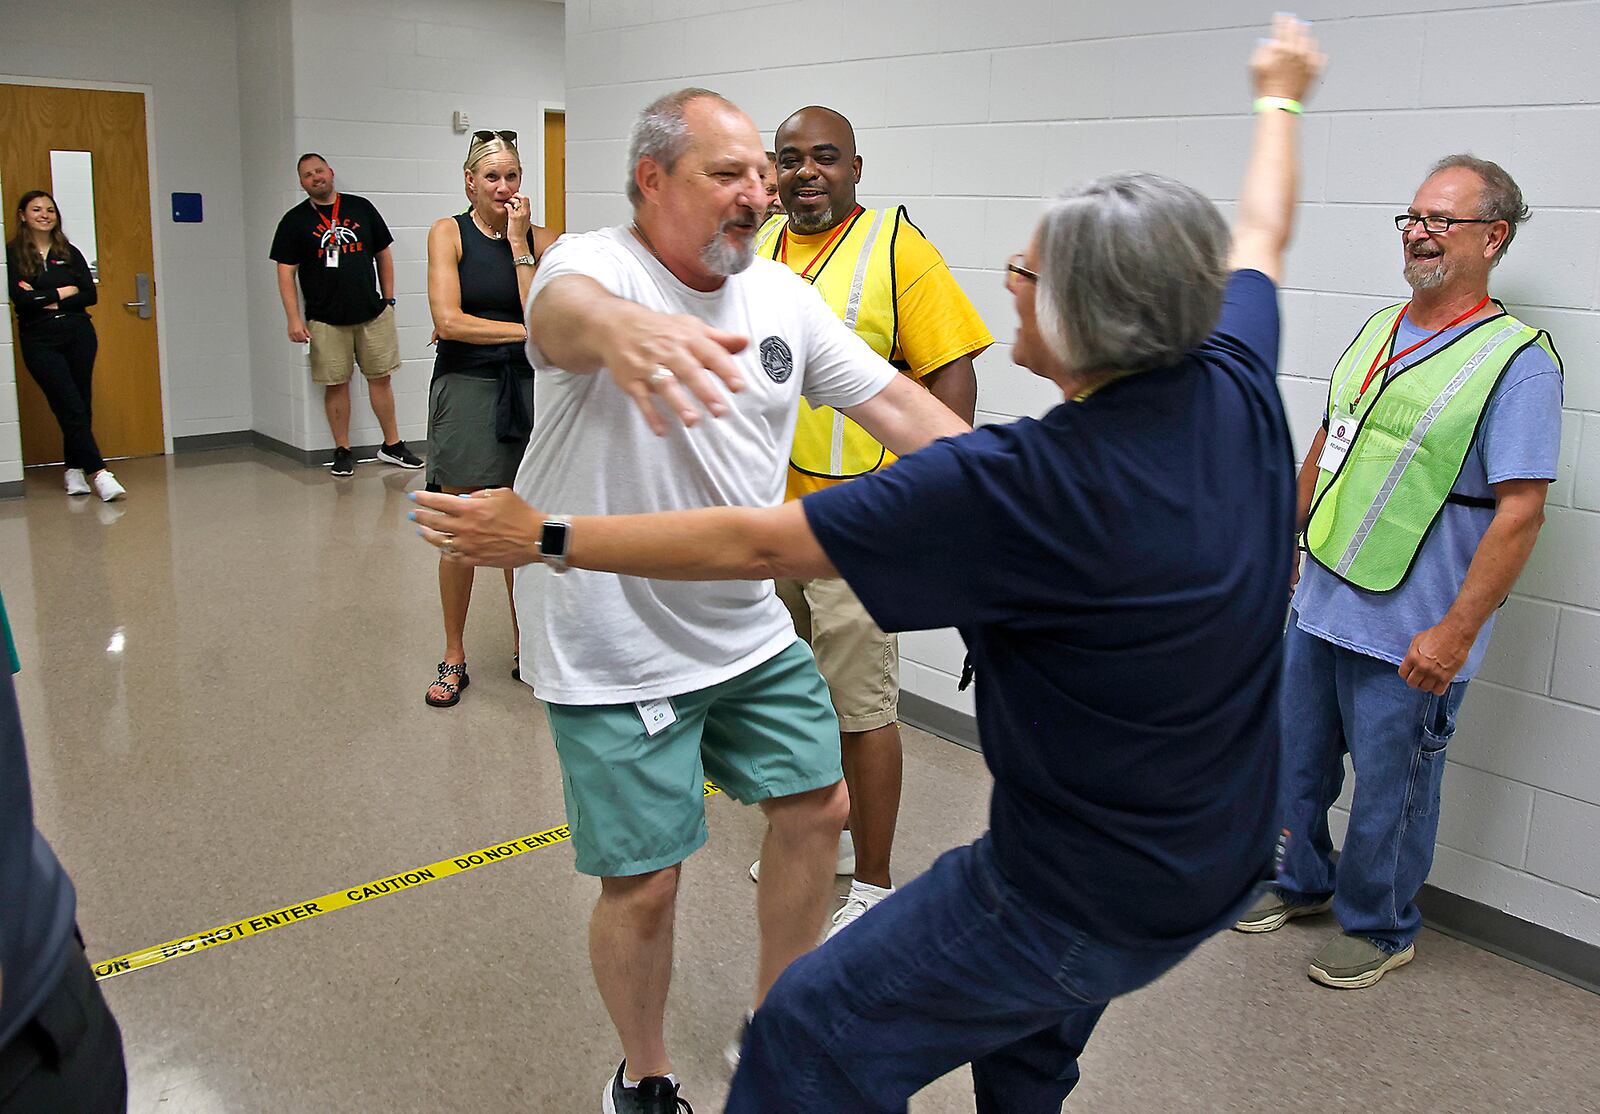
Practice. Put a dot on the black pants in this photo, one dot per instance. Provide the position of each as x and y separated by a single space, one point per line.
59 353
68 1057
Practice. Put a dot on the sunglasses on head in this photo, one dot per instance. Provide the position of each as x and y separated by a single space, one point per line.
486 136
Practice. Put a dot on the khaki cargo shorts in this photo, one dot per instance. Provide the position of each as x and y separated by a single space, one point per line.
858 660
336 349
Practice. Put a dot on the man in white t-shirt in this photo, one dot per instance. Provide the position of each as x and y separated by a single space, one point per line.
653 685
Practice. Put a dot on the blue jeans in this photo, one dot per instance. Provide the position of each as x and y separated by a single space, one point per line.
1337 701
957 967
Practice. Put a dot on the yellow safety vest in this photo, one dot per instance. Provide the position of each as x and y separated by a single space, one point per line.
856 278
1408 439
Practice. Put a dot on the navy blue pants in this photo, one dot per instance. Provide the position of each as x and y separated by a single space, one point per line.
957 967
68 1057
1336 701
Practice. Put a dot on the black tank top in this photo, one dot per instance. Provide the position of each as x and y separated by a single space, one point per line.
489 290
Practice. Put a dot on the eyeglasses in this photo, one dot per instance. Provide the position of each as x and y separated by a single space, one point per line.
1014 267
486 136
1405 222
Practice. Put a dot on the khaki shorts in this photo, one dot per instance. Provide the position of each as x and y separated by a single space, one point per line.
858 660
336 349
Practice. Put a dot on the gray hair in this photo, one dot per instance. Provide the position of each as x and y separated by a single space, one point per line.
1502 197
661 134
1132 269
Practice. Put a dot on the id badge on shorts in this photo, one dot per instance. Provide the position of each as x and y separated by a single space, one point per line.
330 258
657 715
1341 435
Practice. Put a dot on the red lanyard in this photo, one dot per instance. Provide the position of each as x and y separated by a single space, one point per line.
783 244
328 223
1375 368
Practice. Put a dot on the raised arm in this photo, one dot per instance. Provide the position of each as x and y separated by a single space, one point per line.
444 294
1282 70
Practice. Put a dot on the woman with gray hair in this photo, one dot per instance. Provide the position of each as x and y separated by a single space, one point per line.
1117 570
480 404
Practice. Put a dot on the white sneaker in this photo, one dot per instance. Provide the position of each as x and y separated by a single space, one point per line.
844 867
76 484
108 487
861 898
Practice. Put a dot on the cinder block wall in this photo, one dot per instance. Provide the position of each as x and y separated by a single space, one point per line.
372 85
972 112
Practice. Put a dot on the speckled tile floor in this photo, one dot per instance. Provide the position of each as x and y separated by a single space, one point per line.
223 702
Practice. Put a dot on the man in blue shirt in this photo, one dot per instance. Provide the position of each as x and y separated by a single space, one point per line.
1117 570
60 1048
1379 674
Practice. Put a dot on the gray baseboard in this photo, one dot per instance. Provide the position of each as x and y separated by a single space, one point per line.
316 458
204 442
1481 925
934 718
12 489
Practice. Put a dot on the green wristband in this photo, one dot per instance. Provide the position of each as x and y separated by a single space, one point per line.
1286 104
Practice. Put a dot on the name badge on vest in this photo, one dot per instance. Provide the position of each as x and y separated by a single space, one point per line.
1341 434
330 257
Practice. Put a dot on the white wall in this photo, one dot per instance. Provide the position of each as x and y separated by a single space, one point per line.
971 112
374 85
10 432
184 51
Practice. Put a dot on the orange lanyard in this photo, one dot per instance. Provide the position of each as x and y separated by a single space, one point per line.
1375 368
327 223
783 244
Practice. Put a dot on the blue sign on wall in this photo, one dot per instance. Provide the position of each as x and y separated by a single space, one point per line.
186 208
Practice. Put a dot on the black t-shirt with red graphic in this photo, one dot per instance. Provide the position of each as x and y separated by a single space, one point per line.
349 231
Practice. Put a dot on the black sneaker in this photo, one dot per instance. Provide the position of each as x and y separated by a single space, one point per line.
655 1094
344 462
400 456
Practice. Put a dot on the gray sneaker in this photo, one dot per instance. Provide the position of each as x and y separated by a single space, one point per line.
1272 911
1354 962
655 1094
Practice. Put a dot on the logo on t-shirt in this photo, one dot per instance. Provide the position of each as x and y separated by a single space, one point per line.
776 359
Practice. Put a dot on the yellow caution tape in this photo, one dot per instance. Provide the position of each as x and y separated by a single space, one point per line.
332 903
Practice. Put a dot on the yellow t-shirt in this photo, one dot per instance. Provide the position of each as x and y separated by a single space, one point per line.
937 321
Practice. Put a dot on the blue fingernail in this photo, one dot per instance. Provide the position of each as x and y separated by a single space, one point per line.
412 495
412 515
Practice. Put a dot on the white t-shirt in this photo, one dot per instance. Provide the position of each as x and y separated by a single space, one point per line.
600 638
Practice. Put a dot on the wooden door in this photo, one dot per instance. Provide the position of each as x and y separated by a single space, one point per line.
555 171
34 121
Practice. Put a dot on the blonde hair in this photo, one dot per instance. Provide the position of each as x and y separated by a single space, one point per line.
480 149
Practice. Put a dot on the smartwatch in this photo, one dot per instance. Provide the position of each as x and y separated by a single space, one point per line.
554 539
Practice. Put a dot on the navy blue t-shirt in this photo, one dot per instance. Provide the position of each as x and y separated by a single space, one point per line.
1119 571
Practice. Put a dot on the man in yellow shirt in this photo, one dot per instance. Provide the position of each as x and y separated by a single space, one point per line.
889 284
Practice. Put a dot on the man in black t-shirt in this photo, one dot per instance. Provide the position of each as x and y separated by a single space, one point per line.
338 246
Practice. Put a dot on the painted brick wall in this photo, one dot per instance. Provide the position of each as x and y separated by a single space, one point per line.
184 51
374 84
972 112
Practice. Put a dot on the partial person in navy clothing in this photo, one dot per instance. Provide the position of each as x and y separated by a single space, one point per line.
1118 571
60 1048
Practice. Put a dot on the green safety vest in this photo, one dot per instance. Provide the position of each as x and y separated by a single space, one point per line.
1409 438
857 280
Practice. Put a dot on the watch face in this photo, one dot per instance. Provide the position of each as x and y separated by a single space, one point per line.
553 542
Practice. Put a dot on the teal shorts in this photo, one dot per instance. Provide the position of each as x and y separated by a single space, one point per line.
635 801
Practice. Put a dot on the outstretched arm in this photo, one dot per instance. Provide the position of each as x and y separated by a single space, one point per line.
1284 67
497 527
581 327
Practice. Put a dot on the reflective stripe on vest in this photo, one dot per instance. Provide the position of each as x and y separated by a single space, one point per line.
1370 515
857 281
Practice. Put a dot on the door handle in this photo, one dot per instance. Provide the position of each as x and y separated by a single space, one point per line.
141 284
